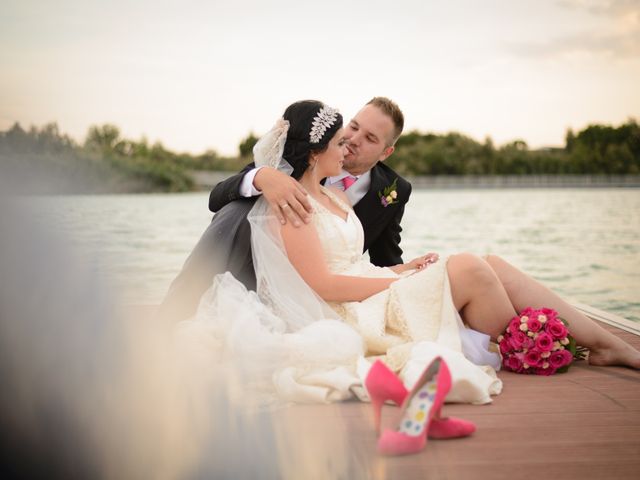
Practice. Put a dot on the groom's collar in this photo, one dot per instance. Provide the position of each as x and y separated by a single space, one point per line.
365 176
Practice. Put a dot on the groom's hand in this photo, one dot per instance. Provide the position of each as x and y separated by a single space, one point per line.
287 198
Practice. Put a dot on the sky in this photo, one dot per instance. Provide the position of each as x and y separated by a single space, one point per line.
199 75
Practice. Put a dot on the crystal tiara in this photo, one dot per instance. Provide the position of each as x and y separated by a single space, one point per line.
325 118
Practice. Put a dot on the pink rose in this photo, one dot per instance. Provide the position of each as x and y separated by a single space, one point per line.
532 358
534 324
528 343
514 325
528 312
544 342
517 340
505 344
545 371
550 313
557 329
560 358
512 363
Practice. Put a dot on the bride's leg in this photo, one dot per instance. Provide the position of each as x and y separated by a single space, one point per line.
523 291
478 294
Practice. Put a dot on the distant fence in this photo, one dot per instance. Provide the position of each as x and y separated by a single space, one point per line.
525 181
207 179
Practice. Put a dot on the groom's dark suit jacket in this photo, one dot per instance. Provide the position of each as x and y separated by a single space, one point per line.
226 243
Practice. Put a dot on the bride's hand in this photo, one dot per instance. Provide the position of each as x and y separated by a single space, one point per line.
416 264
287 198
422 262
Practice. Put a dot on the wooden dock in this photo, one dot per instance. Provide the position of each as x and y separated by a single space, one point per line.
584 424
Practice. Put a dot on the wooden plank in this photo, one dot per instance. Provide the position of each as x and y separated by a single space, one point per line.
583 424
609 318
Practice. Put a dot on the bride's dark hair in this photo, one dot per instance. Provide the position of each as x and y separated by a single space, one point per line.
298 147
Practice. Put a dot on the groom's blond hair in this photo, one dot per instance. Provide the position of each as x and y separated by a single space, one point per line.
392 110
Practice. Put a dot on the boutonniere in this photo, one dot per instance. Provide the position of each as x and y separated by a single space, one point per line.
389 195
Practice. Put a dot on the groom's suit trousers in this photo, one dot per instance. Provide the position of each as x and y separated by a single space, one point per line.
224 246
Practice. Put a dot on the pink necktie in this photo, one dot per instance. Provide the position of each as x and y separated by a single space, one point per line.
348 181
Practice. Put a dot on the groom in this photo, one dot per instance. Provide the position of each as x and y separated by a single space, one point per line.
377 193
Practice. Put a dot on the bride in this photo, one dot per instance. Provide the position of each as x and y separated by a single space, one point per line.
322 311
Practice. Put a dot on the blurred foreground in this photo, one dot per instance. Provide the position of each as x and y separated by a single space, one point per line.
93 393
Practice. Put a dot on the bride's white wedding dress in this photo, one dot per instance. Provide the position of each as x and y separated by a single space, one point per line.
406 325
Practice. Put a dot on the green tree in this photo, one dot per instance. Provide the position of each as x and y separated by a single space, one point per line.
102 138
247 144
570 140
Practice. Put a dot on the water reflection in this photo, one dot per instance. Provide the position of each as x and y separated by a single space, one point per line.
583 243
579 241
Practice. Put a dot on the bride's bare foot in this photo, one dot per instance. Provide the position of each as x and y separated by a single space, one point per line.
624 355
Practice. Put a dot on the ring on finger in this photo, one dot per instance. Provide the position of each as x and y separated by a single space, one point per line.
285 205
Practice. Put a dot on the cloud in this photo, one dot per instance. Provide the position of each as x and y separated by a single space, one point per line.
614 8
621 45
618 38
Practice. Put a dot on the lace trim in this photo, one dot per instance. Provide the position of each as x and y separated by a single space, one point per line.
335 199
396 321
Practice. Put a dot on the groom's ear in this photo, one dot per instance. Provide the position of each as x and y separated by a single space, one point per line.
386 153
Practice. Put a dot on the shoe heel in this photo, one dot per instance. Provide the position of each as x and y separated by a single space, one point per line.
376 403
382 385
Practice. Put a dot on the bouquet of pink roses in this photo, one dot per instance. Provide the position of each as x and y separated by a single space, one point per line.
538 342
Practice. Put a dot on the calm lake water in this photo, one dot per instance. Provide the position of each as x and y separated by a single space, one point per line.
583 243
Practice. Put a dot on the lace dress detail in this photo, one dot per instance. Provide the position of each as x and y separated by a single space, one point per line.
409 310
417 308
327 359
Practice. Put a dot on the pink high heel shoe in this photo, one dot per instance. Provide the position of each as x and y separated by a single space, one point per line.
382 385
418 410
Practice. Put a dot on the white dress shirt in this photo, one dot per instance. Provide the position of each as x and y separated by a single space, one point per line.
354 193
246 187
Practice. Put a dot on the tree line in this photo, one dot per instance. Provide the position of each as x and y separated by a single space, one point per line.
597 149
107 162
104 162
